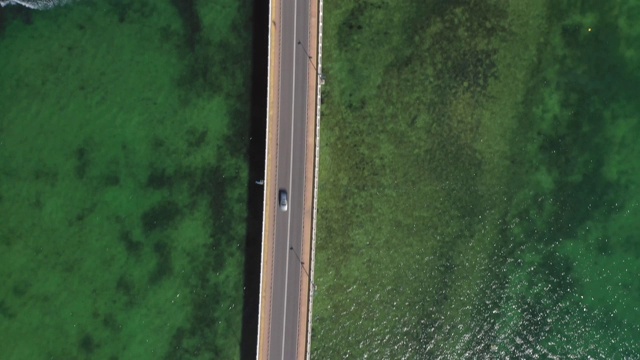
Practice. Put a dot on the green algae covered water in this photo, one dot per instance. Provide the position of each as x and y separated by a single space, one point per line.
123 177
479 181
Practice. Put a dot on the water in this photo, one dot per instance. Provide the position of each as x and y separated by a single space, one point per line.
124 131
479 179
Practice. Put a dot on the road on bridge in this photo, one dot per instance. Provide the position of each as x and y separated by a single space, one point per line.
291 136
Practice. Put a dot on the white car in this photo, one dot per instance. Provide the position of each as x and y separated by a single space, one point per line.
284 203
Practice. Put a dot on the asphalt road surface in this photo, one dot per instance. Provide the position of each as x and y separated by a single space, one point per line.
292 130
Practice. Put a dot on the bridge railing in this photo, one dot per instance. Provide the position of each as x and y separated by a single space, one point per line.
319 83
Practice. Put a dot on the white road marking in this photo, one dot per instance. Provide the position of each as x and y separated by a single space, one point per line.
293 122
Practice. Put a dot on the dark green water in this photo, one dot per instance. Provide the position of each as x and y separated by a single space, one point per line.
479 181
123 179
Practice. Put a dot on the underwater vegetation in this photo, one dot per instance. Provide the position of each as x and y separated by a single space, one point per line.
477 180
124 186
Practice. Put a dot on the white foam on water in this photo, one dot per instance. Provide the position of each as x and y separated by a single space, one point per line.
35 4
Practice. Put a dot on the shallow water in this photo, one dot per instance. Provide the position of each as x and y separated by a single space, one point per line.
479 179
123 179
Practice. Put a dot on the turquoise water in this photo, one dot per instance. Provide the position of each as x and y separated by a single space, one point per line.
123 174
479 181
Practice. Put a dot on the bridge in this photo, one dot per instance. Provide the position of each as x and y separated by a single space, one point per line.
291 166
